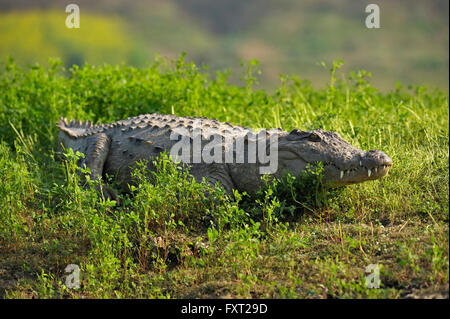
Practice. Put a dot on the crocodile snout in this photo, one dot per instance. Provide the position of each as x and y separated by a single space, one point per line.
375 158
376 162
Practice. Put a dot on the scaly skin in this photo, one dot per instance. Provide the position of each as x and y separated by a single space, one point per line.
115 148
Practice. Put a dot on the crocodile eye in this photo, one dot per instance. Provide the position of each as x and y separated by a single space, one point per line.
313 137
296 135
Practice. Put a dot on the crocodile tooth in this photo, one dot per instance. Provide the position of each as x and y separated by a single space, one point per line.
360 163
376 169
342 174
369 172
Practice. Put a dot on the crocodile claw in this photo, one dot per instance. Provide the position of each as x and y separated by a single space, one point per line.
108 193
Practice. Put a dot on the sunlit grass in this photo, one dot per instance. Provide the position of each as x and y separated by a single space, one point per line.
169 240
35 35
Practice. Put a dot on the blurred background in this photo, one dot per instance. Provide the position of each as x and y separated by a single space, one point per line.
286 36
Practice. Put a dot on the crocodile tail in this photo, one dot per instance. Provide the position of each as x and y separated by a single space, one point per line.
63 122
74 128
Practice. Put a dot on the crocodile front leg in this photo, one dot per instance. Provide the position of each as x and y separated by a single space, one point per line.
95 157
214 173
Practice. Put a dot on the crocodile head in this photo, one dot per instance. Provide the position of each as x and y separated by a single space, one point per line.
343 163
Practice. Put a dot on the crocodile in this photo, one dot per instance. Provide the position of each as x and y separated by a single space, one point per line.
116 148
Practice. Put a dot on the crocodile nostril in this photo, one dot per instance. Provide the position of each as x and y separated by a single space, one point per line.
375 158
387 160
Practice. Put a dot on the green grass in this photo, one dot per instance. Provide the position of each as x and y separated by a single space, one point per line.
170 241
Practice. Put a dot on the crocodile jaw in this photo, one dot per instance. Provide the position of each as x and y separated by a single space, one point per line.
341 177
